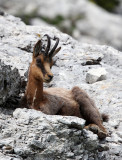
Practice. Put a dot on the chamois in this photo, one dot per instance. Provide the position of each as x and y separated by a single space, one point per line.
58 101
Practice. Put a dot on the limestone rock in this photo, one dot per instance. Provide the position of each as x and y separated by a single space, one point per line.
95 75
9 85
32 135
65 139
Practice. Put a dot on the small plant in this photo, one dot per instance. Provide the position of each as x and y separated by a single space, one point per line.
109 5
55 21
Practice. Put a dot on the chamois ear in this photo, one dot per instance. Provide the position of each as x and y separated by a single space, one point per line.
37 48
56 51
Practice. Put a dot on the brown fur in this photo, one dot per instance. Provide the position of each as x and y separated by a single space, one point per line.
75 102
105 117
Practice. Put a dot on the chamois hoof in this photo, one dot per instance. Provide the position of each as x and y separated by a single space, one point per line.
92 127
102 134
96 130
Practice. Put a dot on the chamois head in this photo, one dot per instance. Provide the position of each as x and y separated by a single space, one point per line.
42 59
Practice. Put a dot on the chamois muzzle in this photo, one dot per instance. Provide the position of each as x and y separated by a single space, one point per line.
50 77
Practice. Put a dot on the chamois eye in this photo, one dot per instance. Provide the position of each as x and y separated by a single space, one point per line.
38 61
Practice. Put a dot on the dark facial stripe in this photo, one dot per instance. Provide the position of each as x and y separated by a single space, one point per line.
40 65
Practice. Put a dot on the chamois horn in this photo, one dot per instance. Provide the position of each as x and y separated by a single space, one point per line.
48 44
55 46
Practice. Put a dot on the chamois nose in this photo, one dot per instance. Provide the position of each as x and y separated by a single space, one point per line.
50 76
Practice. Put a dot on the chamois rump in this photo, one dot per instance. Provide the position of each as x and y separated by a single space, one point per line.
58 101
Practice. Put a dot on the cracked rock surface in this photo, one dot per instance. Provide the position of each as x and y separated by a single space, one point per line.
29 134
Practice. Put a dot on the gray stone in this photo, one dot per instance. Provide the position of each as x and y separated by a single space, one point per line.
103 147
119 134
119 127
9 84
34 135
94 75
6 157
37 144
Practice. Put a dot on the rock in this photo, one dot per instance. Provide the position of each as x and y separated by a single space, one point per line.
116 149
5 157
119 127
34 135
60 136
94 75
84 20
38 22
9 85
103 147
118 9
92 143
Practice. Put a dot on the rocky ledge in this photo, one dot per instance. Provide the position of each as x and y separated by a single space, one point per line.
28 134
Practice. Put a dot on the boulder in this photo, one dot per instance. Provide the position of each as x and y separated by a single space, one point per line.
94 75
9 85
50 137
29 134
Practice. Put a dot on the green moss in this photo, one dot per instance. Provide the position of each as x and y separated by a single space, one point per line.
67 30
25 19
109 5
55 21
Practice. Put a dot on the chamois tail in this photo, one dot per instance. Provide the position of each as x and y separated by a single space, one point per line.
105 117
